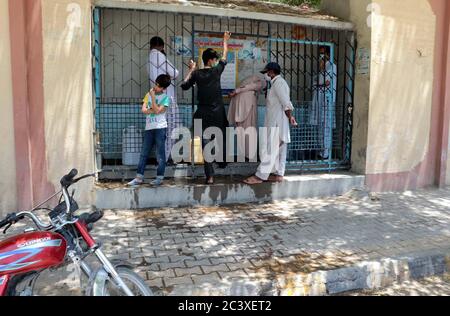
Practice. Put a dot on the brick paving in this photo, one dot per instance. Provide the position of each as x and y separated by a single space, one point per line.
201 250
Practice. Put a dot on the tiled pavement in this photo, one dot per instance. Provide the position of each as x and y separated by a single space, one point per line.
205 250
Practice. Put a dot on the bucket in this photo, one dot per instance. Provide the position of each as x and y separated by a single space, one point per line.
131 146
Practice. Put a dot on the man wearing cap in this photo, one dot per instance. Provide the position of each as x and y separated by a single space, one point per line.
277 134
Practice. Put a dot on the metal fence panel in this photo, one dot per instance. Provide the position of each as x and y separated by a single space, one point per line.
121 50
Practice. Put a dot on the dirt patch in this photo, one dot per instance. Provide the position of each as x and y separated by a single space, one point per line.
110 185
304 263
258 228
216 210
152 218
143 263
273 219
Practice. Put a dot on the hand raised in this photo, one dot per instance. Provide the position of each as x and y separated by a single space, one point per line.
226 36
192 65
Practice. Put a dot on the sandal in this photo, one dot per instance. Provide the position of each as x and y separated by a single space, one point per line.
253 180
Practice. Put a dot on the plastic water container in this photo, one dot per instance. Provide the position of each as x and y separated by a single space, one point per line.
198 153
131 146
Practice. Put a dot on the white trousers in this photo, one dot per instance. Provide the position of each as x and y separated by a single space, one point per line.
274 161
173 122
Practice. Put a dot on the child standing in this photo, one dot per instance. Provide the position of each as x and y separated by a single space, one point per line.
154 106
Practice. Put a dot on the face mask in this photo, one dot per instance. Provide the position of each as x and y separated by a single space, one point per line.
266 76
215 64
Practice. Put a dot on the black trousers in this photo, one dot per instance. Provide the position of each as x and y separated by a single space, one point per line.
209 166
212 116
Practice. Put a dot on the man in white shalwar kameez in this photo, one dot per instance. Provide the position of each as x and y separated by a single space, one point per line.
276 136
158 64
322 113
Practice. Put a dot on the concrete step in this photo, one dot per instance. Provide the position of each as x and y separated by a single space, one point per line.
227 190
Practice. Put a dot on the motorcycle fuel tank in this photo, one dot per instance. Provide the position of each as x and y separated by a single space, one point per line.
30 252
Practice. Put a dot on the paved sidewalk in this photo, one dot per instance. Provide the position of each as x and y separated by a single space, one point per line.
265 249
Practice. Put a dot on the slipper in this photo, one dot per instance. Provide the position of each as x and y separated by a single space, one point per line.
253 180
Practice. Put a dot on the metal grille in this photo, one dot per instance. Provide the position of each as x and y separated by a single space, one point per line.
121 51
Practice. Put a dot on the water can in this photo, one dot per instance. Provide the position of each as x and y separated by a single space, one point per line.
131 146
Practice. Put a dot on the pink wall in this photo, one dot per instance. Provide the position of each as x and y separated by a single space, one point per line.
445 96
27 77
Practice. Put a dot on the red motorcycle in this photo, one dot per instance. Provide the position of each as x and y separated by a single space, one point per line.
66 239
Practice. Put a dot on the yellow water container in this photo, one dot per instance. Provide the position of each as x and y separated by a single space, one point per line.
198 153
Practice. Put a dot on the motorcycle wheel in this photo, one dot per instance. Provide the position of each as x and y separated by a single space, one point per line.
134 282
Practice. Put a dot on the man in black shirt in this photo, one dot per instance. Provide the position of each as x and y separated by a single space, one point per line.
211 109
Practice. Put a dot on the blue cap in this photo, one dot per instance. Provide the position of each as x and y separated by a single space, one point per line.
271 66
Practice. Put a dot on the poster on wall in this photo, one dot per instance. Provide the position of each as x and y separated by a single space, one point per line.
182 46
246 49
250 51
363 61
245 56
230 74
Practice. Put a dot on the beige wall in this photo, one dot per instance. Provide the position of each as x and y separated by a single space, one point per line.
403 41
393 104
447 65
68 91
7 158
355 11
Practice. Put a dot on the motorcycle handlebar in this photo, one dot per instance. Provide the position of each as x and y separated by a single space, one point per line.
68 179
84 177
66 182
11 219
4 222
35 219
